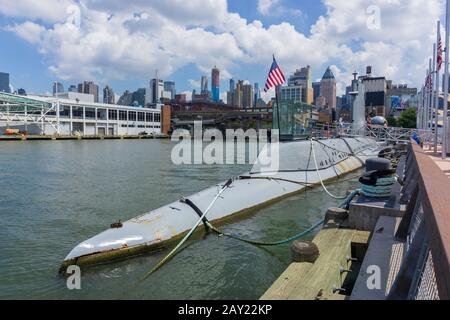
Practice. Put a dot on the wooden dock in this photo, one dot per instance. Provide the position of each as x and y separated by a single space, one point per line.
318 280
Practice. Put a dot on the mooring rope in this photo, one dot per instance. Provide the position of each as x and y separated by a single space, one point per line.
320 178
302 183
202 218
344 204
302 234
381 189
305 184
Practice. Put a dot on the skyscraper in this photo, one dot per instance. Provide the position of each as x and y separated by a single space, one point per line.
230 101
108 95
156 91
232 85
256 93
4 82
316 90
238 94
247 96
204 85
89 87
230 93
169 87
328 88
302 77
57 88
215 84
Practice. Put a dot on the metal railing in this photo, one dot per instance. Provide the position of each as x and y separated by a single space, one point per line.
378 133
392 134
425 270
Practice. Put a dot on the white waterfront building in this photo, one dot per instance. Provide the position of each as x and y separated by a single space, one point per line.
61 116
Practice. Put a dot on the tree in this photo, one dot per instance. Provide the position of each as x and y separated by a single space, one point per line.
408 118
392 121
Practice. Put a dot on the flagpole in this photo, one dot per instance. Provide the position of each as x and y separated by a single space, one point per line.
436 101
433 73
278 110
447 34
427 97
278 106
424 105
419 104
430 95
420 110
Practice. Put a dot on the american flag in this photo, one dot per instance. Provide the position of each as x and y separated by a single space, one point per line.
275 78
440 58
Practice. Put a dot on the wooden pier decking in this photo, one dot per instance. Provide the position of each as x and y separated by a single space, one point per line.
315 281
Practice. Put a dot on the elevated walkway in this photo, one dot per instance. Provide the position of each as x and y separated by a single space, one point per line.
381 262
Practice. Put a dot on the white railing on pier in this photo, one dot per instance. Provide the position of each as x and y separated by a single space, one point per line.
389 134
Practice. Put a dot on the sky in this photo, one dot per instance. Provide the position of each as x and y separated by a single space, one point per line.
122 43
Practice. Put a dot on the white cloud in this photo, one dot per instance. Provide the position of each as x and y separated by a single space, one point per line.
28 31
264 6
46 10
129 40
275 8
192 12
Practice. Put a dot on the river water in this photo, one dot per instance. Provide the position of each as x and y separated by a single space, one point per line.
54 195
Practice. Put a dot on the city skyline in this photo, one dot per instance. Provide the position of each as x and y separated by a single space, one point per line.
299 33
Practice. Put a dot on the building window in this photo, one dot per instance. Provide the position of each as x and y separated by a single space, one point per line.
77 112
149 117
90 113
132 116
101 114
51 113
157 117
64 111
122 115
112 114
141 116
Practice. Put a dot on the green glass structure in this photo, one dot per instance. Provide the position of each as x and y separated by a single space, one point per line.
296 119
